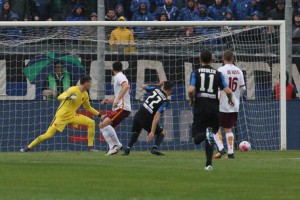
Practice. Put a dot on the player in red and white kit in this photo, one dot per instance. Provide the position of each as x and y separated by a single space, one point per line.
121 109
228 114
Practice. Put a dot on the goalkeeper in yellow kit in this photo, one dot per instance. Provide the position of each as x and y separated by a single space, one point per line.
71 100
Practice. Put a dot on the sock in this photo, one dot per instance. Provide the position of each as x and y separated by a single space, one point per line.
158 140
218 140
134 137
91 133
209 150
229 138
199 137
49 134
110 136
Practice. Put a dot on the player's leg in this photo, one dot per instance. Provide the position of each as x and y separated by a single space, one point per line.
49 134
231 120
107 128
160 135
86 121
136 131
218 137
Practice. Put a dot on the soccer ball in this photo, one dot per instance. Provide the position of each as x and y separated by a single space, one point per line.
245 146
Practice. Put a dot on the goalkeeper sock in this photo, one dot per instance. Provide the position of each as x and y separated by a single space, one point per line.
218 140
91 133
134 137
49 134
229 138
159 138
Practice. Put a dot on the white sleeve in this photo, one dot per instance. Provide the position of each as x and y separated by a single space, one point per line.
242 81
121 79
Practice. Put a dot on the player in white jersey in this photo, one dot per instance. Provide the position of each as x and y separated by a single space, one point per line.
228 114
121 109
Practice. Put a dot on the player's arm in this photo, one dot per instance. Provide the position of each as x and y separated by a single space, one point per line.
192 88
155 120
242 84
67 95
149 87
224 86
125 88
86 104
109 100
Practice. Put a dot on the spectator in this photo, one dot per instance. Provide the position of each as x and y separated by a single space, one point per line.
290 90
228 15
256 16
119 11
14 33
93 17
142 15
58 10
6 13
21 8
78 13
121 37
57 82
203 14
242 9
41 10
169 9
202 17
278 12
111 15
296 28
163 17
217 10
207 3
135 4
188 13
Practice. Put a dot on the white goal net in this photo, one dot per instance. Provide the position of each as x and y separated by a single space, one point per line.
33 57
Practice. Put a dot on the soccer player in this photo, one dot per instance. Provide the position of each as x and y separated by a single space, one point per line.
228 114
148 116
71 100
203 94
121 109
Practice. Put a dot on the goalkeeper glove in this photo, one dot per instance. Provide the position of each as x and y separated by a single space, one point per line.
71 97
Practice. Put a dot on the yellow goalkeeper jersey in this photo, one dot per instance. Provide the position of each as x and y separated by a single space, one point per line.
67 108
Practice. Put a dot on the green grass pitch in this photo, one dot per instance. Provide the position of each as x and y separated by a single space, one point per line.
179 175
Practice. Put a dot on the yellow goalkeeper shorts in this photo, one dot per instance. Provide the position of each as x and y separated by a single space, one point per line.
60 123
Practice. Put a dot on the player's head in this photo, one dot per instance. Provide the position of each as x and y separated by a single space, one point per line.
168 87
86 82
117 67
228 57
206 57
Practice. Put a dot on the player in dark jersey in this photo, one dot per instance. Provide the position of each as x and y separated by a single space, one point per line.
203 94
148 116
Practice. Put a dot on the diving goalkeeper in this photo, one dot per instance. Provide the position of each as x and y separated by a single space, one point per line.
71 100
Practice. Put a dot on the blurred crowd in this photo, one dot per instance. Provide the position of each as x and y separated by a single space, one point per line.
144 10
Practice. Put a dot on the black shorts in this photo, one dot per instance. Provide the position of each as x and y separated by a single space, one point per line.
140 123
228 120
203 121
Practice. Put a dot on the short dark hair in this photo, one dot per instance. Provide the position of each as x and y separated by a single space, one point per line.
168 85
117 66
85 79
206 56
228 56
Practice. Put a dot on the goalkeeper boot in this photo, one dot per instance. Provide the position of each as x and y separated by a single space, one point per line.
220 154
230 156
26 149
210 136
126 151
156 152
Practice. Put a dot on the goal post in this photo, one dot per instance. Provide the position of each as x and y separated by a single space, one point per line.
179 109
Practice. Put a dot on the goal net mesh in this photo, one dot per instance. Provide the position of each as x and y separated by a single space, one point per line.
31 58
